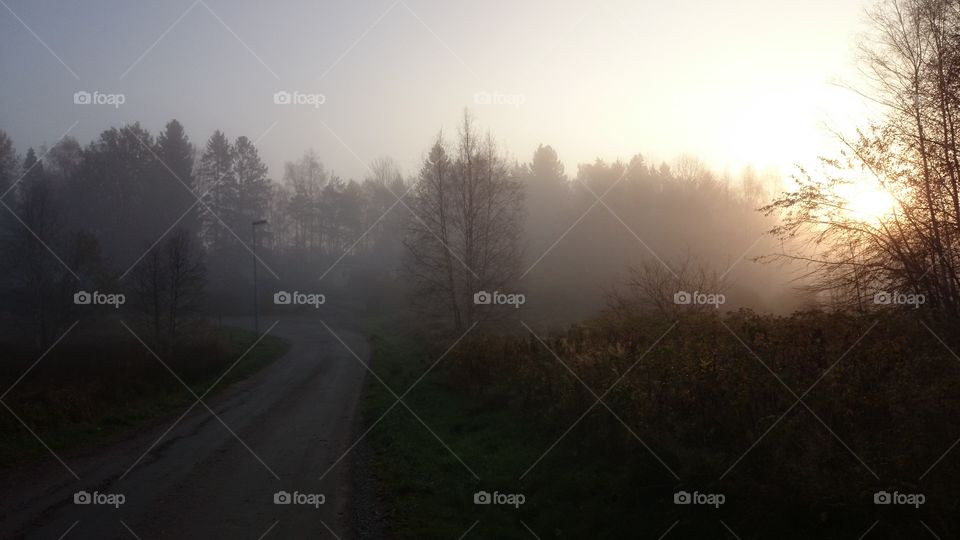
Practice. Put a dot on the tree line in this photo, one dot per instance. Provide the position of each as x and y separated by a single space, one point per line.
167 223
172 224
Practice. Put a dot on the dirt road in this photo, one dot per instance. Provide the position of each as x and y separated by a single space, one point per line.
217 476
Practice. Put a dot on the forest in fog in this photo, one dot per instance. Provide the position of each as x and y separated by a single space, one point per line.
492 335
169 223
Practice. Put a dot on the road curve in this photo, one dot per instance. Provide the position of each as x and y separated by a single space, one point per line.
284 429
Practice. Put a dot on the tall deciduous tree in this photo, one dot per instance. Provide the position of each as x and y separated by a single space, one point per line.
168 285
465 235
910 57
306 180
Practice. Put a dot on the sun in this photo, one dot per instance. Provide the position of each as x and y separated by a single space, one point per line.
866 202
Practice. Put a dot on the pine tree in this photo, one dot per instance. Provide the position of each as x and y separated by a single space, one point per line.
218 184
547 190
253 185
175 182
8 163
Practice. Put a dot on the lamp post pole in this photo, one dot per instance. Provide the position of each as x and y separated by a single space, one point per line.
253 234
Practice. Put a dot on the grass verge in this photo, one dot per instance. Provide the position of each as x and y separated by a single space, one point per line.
72 414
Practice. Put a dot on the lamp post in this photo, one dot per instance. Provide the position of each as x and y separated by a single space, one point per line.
253 233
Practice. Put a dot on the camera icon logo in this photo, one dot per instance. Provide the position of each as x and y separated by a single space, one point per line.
882 298
282 98
82 298
282 497
483 98
82 497
282 298
682 497
882 497
682 298
482 298
482 497
82 98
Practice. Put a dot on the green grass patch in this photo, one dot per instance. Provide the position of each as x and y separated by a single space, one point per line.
238 341
68 415
576 491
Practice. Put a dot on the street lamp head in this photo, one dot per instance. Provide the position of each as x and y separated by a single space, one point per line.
259 222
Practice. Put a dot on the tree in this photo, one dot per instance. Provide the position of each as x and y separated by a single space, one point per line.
175 186
465 234
547 193
281 225
253 185
307 179
653 287
63 160
911 154
430 232
383 214
113 193
218 184
9 168
349 214
168 286
186 277
8 162
33 275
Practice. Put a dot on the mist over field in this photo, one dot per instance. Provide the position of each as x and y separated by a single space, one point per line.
414 269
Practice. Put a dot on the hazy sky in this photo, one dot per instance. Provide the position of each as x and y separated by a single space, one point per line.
731 82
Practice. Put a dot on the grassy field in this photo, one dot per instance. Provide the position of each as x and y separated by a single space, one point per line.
84 394
576 491
701 399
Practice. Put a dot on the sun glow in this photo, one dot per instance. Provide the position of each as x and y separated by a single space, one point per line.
866 202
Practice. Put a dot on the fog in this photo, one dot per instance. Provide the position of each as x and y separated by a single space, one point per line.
130 191
394 73
414 269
